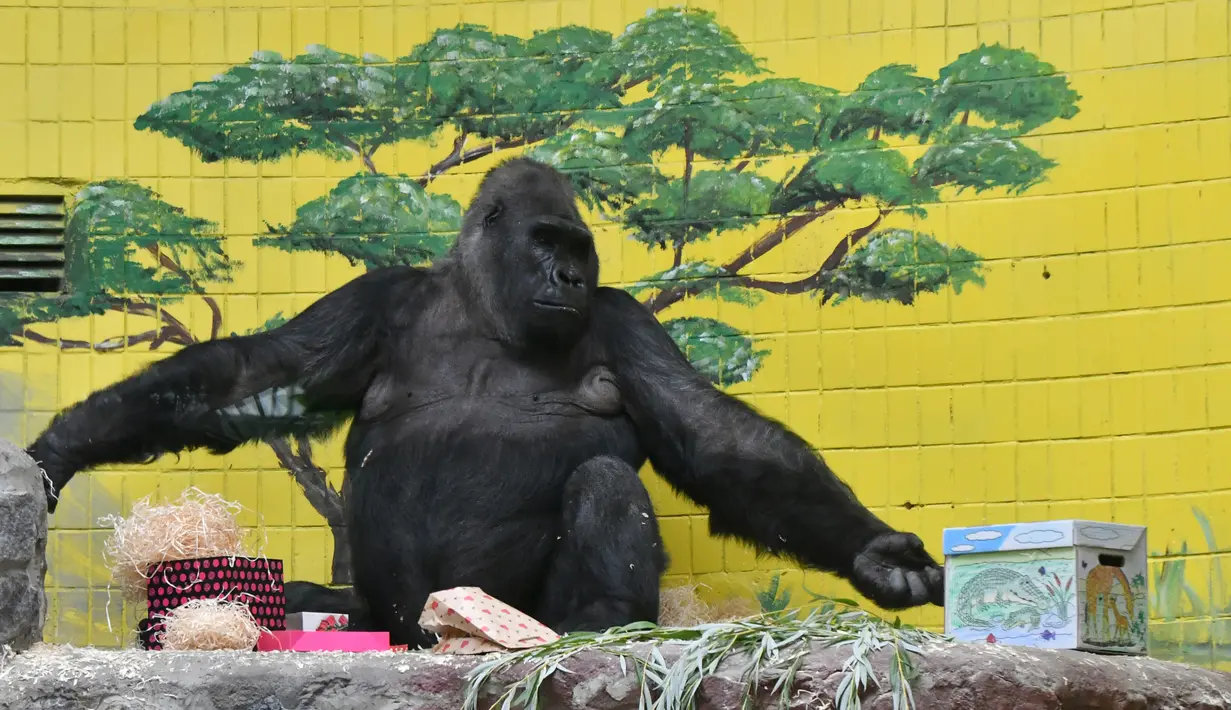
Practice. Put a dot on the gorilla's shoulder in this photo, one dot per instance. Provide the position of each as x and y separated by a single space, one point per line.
610 302
386 290
393 275
389 281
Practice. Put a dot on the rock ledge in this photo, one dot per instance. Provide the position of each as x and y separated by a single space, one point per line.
953 677
23 548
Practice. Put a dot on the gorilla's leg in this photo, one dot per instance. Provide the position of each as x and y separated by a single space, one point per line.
606 568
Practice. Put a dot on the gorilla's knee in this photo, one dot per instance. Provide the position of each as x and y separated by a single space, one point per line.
606 474
605 500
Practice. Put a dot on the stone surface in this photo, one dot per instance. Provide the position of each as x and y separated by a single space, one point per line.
953 677
23 548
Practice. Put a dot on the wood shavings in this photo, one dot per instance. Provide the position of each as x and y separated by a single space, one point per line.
682 607
197 525
209 625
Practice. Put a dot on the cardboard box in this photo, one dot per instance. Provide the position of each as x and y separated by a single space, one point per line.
355 641
316 621
254 582
1073 584
471 621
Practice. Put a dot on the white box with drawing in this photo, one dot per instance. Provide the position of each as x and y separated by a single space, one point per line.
1074 584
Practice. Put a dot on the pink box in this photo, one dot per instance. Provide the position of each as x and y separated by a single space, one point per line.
323 641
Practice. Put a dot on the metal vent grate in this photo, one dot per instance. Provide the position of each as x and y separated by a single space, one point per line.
31 244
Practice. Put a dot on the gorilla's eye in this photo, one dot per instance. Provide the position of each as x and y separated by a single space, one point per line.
492 214
542 236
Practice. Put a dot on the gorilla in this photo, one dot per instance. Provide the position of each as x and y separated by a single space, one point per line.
501 404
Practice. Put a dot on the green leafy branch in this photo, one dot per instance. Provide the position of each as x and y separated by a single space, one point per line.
772 648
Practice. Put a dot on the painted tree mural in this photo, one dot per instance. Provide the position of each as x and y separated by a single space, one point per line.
708 110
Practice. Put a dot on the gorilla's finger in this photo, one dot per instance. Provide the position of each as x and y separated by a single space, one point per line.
897 580
918 590
936 585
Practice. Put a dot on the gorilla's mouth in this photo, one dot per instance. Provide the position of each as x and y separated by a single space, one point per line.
556 306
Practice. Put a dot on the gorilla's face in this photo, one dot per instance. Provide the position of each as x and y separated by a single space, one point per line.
560 267
529 254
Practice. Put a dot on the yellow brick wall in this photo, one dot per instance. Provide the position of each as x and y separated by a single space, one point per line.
1085 379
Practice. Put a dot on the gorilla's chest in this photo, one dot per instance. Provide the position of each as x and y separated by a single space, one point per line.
462 374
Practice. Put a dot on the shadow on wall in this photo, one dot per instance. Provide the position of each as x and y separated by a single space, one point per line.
12 402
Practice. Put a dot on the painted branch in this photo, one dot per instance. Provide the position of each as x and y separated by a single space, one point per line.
457 157
104 346
752 151
170 264
785 230
816 279
311 478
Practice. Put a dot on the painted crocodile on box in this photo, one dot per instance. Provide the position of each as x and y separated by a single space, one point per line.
1002 598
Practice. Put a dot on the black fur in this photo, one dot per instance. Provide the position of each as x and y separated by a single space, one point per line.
306 596
502 405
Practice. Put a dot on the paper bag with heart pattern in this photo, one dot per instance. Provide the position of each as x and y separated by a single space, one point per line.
470 621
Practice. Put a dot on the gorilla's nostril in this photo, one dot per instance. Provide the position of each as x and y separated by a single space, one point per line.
569 279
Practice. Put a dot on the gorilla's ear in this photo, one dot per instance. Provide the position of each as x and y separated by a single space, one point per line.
493 212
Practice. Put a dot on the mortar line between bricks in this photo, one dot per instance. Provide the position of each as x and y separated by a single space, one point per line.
930 386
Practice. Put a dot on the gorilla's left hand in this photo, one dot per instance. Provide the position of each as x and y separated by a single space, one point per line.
896 572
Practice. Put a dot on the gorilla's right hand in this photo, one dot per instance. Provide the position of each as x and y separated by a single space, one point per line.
896 572
58 470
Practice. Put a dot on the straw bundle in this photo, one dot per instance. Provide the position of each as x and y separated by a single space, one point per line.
209 625
197 525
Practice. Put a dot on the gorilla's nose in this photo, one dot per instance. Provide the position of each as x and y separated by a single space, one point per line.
568 277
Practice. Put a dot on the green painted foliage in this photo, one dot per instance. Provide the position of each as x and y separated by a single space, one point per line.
898 264
718 120
601 172
718 351
112 220
320 101
892 99
275 321
499 86
981 160
18 310
374 220
716 201
677 46
701 118
711 282
785 114
857 169
1009 87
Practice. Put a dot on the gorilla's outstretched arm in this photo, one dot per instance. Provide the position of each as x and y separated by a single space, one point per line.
303 377
761 482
